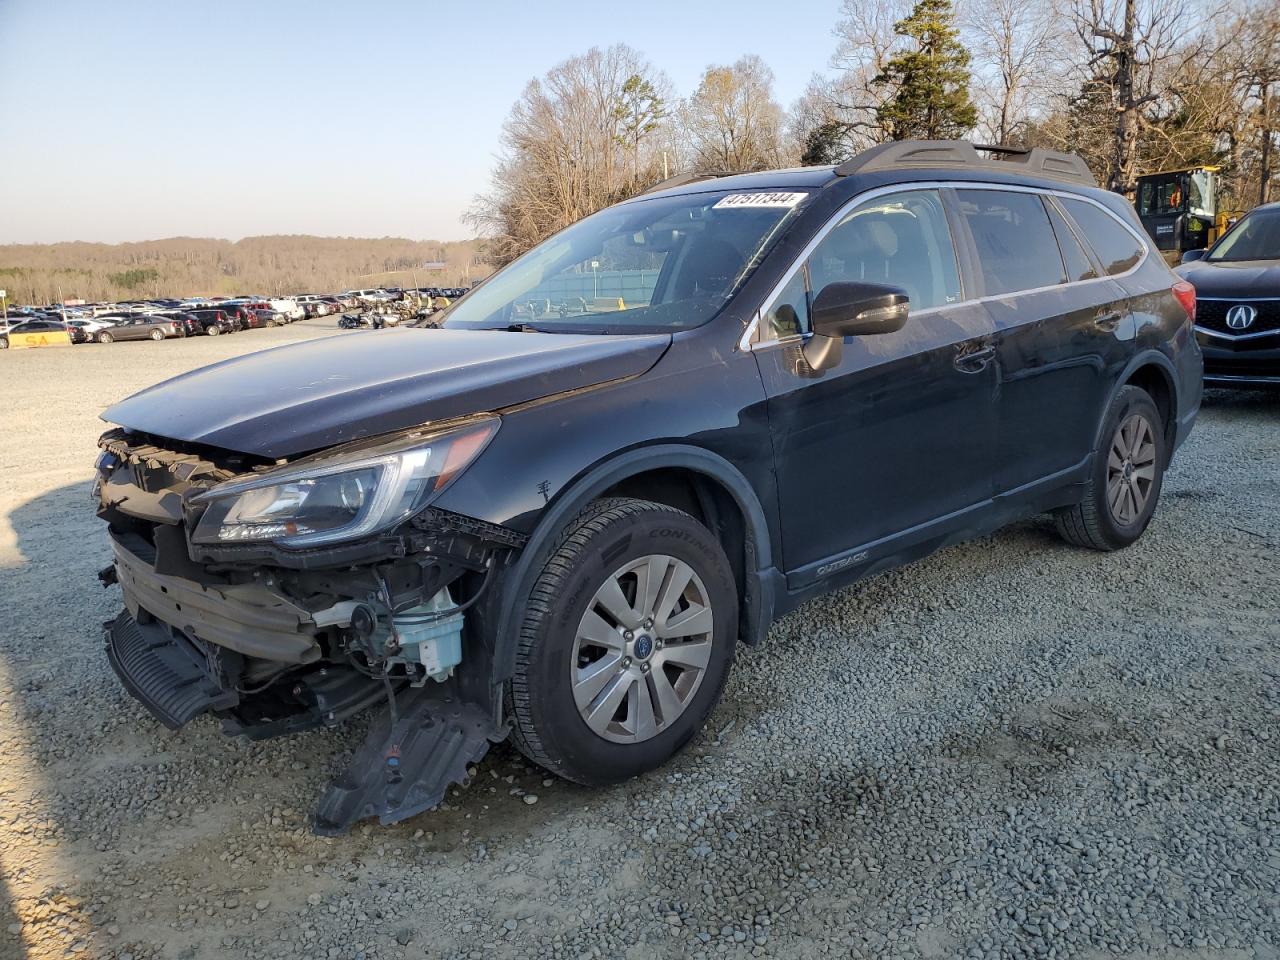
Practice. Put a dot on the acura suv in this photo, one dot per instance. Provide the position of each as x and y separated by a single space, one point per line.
556 515
1237 283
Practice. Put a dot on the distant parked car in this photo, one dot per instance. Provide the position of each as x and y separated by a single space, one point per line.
191 327
91 327
313 305
373 294
266 317
213 321
45 326
238 313
289 308
142 327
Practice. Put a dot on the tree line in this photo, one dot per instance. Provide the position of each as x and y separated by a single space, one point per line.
1133 86
192 266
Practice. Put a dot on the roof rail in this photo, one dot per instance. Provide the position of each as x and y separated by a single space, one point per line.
680 179
960 154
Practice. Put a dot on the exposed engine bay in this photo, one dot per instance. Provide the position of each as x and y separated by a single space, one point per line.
274 641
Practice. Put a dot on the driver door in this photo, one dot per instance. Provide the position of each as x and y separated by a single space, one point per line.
894 444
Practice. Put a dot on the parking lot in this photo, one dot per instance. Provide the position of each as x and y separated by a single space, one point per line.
1013 748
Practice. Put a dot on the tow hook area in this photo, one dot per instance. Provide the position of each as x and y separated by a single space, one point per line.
417 746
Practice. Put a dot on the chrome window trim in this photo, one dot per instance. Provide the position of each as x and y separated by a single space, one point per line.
745 344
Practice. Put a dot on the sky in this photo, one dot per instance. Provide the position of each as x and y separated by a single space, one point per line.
141 119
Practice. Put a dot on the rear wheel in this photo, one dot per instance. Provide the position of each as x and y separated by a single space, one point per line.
626 643
1124 486
157 335
105 337
212 330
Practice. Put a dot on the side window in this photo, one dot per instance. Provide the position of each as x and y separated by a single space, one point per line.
789 315
1116 248
901 240
1014 239
1077 261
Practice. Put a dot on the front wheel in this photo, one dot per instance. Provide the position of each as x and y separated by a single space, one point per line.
1124 485
626 644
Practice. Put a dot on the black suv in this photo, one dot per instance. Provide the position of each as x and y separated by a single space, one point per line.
557 515
1237 283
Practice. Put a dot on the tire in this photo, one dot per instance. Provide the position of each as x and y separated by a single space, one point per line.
212 330
1124 484
104 337
157 335
557 652
4 343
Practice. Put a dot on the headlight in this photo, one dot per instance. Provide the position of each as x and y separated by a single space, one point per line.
330 499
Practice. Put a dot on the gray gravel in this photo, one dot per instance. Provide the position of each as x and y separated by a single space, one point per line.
1011 749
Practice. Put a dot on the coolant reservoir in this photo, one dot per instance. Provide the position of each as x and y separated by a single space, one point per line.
438 639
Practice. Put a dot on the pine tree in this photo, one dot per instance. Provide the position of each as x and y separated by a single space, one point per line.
930 82
638 110
826 144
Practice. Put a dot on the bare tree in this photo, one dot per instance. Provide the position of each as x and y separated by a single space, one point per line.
576 141
1017 63
732 121
1132 43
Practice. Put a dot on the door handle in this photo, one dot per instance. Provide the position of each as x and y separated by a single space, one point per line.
1108 321
975 361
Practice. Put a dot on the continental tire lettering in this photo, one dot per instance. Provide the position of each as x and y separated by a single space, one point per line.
675 534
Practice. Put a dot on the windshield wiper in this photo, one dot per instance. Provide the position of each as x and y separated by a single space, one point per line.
522 328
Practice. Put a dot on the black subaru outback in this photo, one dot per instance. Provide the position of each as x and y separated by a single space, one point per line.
556 516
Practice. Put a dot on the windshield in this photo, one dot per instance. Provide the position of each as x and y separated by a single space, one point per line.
659 265
1256 237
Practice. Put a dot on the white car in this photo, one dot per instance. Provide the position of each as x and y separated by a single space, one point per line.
91 327
320 307
288 306
378 295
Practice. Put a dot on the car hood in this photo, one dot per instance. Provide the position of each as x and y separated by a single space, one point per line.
1242 279
308 396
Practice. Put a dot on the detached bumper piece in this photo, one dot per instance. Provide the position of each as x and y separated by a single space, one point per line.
405 768
166 673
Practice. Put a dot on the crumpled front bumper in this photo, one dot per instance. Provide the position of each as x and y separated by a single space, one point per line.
246 618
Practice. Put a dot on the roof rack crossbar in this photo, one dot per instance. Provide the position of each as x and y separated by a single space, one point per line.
1034 162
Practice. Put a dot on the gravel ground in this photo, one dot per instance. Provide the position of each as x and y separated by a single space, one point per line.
1011 749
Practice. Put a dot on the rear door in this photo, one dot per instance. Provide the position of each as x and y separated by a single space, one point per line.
1062 329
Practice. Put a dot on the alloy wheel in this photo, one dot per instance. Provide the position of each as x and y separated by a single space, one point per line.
1131 469
642 648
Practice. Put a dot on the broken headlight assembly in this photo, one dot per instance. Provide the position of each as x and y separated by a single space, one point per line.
339 497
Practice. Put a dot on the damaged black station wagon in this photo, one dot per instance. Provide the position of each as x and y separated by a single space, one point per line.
556 516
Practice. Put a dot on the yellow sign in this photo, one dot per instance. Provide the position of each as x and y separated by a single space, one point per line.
42 338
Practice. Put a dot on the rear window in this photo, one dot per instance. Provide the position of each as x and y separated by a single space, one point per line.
1116 248
1014 239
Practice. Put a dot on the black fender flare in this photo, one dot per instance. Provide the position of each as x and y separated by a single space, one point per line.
518 579
1143 358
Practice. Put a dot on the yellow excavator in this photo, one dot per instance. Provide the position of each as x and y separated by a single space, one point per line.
1180 209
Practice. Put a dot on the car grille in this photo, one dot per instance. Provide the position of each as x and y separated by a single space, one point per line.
1212 315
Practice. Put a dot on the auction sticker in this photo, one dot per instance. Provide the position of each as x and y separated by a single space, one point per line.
786 200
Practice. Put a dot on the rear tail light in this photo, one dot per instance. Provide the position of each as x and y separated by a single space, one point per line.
1185 294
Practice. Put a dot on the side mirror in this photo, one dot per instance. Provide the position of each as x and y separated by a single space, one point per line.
1188 256
852 310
